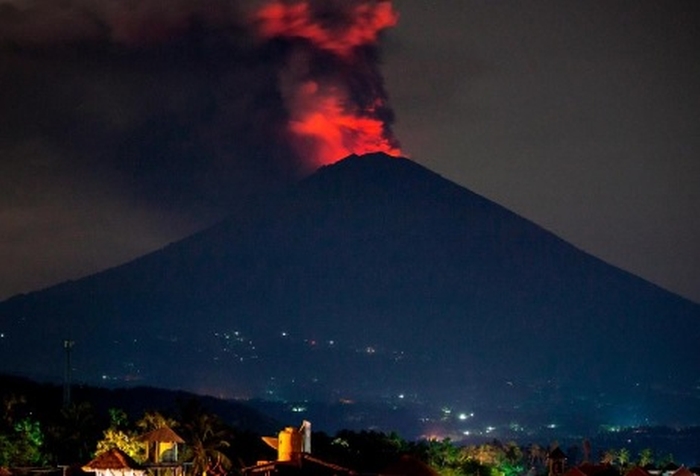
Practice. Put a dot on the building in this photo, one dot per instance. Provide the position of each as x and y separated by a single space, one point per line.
294 457
114 462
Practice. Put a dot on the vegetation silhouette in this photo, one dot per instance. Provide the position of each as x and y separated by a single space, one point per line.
37 430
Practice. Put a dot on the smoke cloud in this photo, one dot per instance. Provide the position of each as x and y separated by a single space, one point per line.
191 101
331 84
126 124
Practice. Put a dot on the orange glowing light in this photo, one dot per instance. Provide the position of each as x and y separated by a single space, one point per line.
334 132
324 124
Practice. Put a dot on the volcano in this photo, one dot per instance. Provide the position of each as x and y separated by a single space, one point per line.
374 277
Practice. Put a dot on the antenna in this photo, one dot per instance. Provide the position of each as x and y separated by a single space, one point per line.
67 346
305 430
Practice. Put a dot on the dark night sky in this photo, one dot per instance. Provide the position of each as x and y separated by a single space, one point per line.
123 129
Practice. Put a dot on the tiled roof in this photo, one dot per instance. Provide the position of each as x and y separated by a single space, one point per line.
683 471
163 434
112 459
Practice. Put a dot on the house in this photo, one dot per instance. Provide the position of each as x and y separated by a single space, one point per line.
637 471
556 462
600 469
161 457
161 445
683 471
114 462
162 452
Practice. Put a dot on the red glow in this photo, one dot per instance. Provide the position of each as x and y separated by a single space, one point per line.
330 130
325 124
280 19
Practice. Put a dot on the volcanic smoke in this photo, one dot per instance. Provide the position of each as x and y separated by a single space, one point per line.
214 98
331 86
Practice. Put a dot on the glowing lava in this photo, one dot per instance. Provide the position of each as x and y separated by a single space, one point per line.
332 87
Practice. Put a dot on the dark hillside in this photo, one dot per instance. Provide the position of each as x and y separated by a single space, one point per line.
371 278
44 400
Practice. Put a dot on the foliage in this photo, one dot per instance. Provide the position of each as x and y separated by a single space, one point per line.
623 457
113 438
609 456
365 451
536 455
444 457
36 429
154 420
646 457
510 460
7 450
72 436
118 418
207 439
21 436
11 403
119 436
23 446
491 459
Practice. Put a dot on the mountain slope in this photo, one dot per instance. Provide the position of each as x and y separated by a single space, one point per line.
373 277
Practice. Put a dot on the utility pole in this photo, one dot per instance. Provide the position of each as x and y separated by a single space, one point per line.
67 346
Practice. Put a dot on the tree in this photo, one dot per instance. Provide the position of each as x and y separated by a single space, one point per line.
573 454
665 460
74 434
609 456
23 446
486 454
154 420
365 451
10 404
207 437
536 455
623 457
510 459
444 457
646 457
119 436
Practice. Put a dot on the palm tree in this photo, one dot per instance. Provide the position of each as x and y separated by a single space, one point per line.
155 420
623 456
536 454
609 456
646 457
207 437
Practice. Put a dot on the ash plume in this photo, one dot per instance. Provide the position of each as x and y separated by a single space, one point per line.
331 84
190 101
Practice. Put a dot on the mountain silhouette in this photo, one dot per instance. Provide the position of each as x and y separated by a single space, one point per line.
371 278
